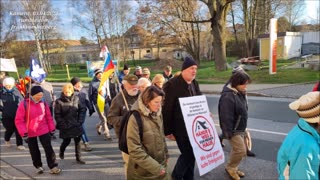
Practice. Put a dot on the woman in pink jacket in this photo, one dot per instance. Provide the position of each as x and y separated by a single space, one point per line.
33 120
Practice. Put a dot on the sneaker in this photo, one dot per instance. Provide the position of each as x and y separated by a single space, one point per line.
250 153
98 129
240 173
87 147
21 148
55 170
80 161
7 143
233 174
40 170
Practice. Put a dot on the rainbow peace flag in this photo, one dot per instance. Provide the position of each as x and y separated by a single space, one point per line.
108 69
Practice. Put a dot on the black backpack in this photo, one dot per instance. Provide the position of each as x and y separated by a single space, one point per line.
123 129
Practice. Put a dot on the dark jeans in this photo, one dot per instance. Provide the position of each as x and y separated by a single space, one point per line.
184 168
10 127
67 141
45 141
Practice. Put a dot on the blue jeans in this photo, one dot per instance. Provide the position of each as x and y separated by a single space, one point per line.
184 168
84 136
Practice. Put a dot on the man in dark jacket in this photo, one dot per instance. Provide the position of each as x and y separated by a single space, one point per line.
93 94
183 85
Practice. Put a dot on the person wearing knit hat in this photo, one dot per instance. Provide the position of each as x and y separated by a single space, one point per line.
298 156
188 62
123 73
10 97
77 86
183 85
35 90
93 93
37 124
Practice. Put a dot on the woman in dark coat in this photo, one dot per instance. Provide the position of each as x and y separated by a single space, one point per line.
69 114
9 100
233 116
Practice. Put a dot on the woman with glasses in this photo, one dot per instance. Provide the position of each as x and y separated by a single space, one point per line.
148 158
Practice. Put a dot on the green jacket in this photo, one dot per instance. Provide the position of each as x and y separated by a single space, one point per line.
148 157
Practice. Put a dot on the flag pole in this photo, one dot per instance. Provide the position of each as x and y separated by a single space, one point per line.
120 89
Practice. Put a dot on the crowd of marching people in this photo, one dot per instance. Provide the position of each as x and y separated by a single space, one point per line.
37 113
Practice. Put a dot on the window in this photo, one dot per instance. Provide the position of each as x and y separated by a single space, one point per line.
148 51
84 55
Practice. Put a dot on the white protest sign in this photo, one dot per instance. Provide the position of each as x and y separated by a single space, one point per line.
8 65
202 133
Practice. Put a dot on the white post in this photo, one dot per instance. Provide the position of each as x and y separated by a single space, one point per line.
273 46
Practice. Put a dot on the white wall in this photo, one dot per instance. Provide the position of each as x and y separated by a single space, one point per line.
292 46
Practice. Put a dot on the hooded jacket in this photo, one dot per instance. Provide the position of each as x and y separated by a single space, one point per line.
298 156
148 157
233 111
69 115
40 119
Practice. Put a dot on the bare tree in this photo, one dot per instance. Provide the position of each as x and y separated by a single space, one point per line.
38 18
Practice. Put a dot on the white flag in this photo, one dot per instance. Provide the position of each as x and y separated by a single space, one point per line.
8 65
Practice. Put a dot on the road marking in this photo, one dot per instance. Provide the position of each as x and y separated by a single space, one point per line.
263 131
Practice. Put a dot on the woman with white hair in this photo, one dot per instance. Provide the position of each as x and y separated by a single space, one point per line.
10 97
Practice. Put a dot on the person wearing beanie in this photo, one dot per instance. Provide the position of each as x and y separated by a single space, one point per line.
123 73
70 113
298 156
183 85
34 121
10 97
78 91
102 126
48 95
233 118
188 62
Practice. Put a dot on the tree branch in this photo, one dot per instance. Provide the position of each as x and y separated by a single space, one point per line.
203 21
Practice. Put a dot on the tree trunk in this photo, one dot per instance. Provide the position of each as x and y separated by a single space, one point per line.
219 45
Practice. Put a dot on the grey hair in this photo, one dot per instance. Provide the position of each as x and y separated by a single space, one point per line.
143 81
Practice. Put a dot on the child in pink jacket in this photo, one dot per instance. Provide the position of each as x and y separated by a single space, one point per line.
33 120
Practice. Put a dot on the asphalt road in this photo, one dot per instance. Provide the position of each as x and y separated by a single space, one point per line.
269 121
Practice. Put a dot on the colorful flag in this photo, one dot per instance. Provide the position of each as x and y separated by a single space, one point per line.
21 85
36 71
108 69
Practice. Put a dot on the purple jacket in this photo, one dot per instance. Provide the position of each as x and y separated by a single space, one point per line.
40 119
